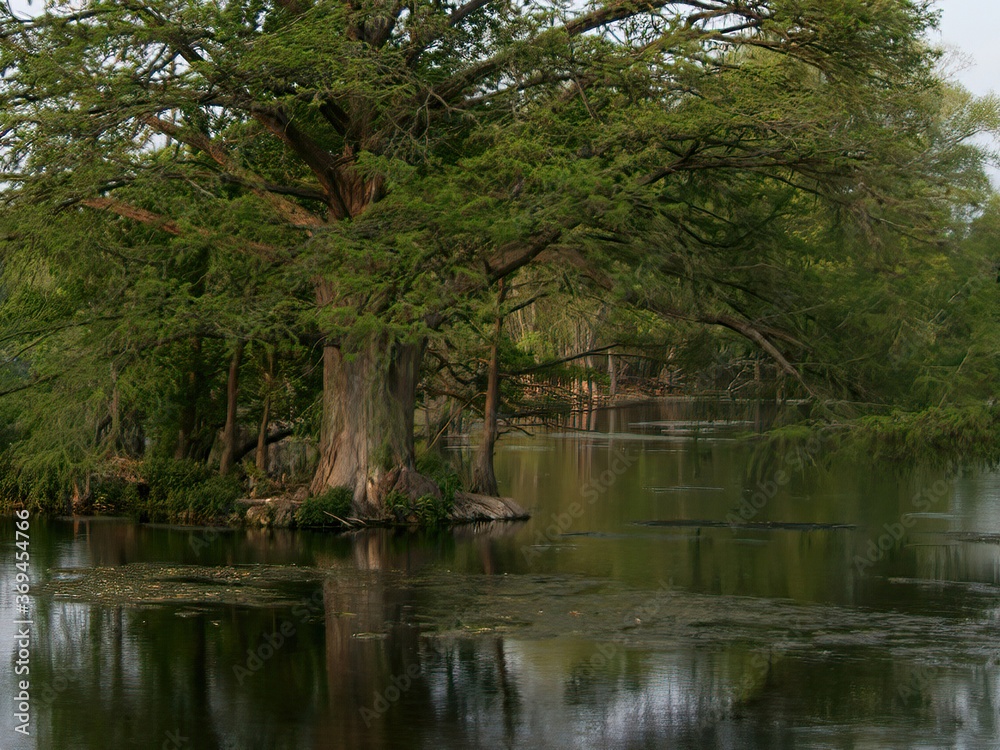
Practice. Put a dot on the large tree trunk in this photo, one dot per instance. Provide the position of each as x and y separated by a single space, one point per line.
366 442
232 392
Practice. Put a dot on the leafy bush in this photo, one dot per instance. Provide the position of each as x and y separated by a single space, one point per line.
204 500
45 490
165 476
434 466
170 491
318 511
426 510
261 483
12 492
938 436
182 490
113 495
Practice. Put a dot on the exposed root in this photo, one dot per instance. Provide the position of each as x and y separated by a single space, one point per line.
470 506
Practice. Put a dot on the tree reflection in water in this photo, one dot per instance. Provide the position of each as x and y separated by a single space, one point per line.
770 638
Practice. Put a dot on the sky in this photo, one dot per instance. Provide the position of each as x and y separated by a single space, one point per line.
970 26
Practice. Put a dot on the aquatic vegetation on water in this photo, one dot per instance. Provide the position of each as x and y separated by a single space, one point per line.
151 583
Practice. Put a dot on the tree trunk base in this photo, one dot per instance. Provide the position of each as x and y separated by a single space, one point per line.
404 481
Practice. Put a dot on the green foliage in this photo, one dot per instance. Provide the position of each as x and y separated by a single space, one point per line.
793 449
261 484
319 511
205 500
111 496
165 476
436 467
954 437
44 490
181 175
183 490
11 492
939 436
424 511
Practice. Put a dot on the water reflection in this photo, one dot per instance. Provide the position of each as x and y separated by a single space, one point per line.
595 632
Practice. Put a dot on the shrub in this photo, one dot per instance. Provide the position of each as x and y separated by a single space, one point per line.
112 495
426 510
182 490
46 491
204 500
318 511
12 491
165 476
434 466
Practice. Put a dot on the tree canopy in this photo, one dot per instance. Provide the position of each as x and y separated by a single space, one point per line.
346 184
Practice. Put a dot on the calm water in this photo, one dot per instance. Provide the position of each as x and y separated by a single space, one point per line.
584 627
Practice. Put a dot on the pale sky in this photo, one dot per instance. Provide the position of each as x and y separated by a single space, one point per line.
971 27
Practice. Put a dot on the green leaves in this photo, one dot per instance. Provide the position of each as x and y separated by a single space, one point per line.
331 174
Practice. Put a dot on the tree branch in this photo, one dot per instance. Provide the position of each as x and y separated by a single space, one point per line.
744 328
141 215
288 210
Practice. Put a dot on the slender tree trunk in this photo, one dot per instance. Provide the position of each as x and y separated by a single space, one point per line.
484 478
189 410
590 378
115 442
232 391
428 427
612 376
262 449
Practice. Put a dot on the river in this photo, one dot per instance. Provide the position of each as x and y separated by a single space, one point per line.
658 598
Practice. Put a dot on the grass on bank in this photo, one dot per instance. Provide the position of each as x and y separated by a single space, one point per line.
163 490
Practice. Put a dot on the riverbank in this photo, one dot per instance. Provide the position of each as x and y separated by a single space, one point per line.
333 512
187 492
